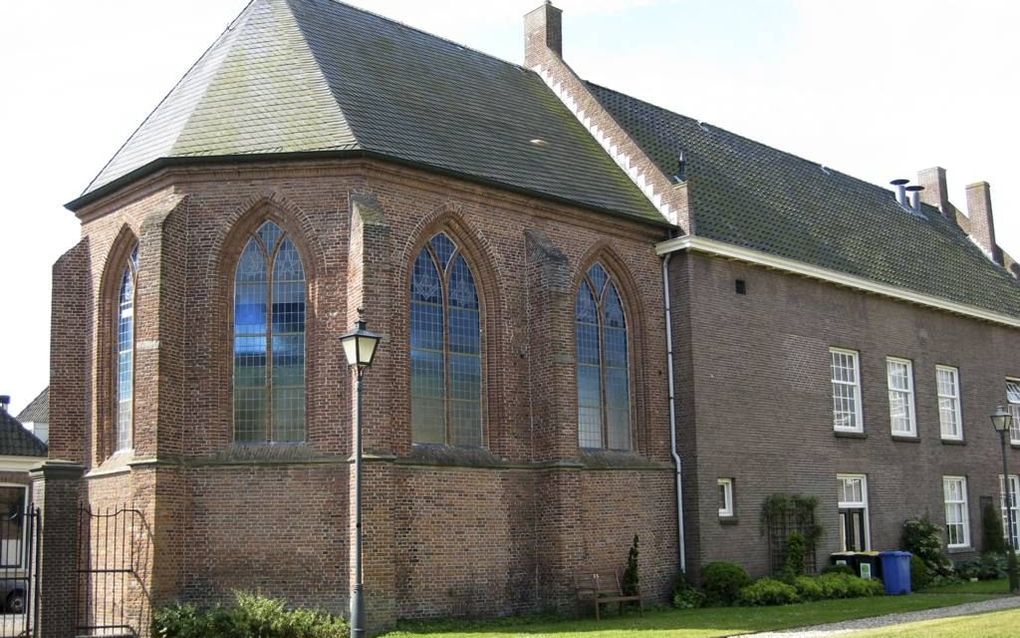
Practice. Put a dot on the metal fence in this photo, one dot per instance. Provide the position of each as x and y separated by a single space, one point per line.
19 527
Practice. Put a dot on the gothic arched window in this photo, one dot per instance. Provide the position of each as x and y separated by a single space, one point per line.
269 340
603 365
446 348
123 427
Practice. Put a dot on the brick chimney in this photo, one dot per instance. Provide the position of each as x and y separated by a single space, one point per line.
543 34
982 226
935 192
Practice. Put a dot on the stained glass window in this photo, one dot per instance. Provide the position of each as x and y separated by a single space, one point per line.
125 364
269 340
603 368
446 348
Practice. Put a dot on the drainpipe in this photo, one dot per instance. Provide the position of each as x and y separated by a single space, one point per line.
681 544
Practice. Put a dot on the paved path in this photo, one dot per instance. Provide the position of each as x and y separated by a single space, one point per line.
838 628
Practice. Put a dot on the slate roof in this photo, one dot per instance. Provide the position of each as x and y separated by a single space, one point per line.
751 195
38 411
15 440
318 76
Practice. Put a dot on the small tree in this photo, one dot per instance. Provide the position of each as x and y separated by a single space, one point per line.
631 581
992 538
796 547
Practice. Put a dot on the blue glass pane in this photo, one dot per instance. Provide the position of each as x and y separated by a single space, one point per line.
466 377
444 249
465 333
585 309
125 355
613 308
288 307
426 326
251 267
250 414
427 374
589 407
598 277
288 263
250 309
616 348
270 233
428 391
462 285
466 423
133 260
288 352
426 285
288 414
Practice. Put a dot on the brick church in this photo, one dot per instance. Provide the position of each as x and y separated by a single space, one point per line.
600 319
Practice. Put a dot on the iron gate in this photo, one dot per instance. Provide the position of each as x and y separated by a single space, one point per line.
19 529
111 597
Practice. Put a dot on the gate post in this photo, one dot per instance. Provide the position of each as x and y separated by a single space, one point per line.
56 488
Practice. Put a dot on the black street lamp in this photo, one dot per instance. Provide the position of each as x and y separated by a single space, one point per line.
1002 421
359 346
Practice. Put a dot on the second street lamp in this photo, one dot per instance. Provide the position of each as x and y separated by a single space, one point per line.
1002 421
360 347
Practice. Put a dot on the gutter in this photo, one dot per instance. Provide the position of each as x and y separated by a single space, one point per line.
677 461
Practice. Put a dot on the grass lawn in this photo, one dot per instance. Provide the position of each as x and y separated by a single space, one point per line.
999 624
1000 586
690 623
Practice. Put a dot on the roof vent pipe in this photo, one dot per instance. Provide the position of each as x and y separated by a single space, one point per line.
915 197
901 195
5 400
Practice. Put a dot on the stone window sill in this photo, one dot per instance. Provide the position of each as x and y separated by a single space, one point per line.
843 434
728 520
905 438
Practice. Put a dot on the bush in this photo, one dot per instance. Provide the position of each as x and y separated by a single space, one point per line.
923 539
993 537
846 586
808 588
767 591
722 582
838 569
988 567
251 615
685 595
796 547
631 582
919 575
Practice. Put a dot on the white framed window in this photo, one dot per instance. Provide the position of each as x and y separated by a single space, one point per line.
1012 535
902 416
846 391
725 497
947 380
1013 398
954 493
13 499
852 501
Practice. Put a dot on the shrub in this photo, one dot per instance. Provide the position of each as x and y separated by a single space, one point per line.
685 595
838 569
919 576
631 582
846 586
923 539
993 538
768 591
808 588
251 615
796 547
722 582
990 566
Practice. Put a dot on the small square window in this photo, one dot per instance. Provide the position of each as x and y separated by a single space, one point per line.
725 497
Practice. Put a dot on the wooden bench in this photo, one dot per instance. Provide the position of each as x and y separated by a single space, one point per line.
603 587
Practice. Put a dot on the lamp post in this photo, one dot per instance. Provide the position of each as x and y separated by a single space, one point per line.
359 346
1002 421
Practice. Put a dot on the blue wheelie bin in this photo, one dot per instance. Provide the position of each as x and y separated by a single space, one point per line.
896 572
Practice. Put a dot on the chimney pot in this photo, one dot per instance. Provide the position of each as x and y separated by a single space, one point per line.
543 34
915 197
901 195
5 400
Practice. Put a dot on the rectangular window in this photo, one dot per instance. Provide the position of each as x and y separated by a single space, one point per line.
846 391
725 497
954 492
1013 397
1012 535
900 373
947 379
852 500
12 528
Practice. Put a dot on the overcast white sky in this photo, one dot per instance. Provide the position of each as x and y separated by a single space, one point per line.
873 88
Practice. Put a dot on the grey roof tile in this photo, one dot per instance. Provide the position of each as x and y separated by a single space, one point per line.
754 196
318 75
15 440
38 411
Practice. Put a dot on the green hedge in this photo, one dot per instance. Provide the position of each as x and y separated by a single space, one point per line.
768 591
251 616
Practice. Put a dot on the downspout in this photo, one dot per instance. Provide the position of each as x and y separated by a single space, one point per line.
681 544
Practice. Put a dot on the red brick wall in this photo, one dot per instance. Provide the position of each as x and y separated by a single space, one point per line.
755 403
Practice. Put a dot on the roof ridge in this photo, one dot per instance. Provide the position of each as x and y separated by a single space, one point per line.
235 23
409 27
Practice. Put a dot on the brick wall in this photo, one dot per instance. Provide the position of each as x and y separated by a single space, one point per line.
453 536
755 395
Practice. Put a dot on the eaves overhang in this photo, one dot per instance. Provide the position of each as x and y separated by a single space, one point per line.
141 172
726 250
